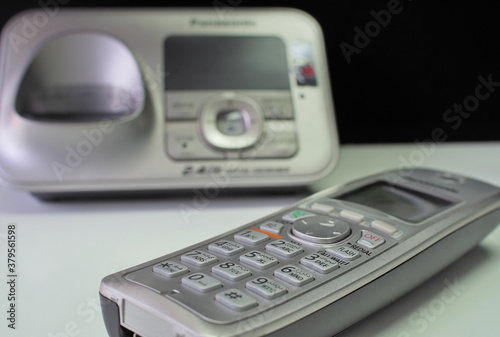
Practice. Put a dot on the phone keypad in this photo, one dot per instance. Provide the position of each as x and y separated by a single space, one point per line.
170 269
236 274
266 287
201 282
284 248
344 252
272 226
199 258
319 263
251 237
259 260
294 275
235 299
231 271
226 247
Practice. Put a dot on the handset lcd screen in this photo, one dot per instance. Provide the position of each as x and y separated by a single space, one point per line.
404 203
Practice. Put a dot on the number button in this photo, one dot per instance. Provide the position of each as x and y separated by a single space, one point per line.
231 271
319 263
199 258
251 237
201 282
258 260
294 275
170 269
266 287
284 248
227 248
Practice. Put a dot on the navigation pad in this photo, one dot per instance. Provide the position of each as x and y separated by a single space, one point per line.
321 229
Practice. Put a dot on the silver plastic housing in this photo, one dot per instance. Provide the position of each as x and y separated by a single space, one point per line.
415 252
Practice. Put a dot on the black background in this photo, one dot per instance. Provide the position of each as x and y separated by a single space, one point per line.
398 87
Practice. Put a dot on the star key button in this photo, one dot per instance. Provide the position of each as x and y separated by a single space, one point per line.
170 269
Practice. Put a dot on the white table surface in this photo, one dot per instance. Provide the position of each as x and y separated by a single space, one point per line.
64 249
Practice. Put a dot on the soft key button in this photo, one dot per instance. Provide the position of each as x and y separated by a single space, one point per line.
322 208
370 239
353 216
383 227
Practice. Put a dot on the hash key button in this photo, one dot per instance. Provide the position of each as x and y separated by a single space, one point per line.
236 299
